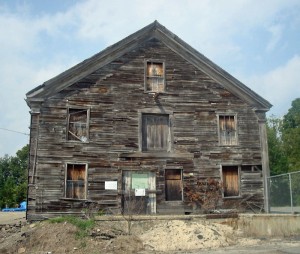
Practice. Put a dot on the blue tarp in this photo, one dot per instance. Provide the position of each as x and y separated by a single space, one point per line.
21 208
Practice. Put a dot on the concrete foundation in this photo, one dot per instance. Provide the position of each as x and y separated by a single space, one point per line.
251 225
271 225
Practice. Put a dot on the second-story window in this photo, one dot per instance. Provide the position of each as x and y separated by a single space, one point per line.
78 124
227 130
155 132
154 76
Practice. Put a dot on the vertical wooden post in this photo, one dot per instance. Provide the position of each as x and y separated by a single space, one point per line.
265 159
33 146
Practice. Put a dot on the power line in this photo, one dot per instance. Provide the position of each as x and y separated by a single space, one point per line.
15 131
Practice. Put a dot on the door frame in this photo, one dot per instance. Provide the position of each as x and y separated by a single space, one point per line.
150 192
181 183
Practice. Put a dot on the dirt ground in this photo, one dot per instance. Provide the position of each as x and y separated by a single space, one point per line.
11 217
173 236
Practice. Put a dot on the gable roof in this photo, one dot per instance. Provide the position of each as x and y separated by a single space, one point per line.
154 30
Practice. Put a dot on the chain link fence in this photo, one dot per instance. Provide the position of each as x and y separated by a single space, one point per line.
284 193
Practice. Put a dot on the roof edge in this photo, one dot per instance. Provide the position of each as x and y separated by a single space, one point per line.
87 62
155 29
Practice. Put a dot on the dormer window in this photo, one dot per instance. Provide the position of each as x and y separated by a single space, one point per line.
154 76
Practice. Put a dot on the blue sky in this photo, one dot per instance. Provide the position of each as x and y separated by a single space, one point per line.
256 41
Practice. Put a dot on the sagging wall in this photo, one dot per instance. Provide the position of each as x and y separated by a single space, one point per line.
115 98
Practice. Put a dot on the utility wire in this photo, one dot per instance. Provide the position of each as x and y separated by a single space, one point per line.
15 131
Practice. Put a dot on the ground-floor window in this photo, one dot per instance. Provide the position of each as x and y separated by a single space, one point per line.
173 184
76 181
231 181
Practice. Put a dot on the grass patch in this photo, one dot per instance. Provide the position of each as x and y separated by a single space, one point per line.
82 225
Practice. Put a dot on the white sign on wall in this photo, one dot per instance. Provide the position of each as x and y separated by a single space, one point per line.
140 192
111 185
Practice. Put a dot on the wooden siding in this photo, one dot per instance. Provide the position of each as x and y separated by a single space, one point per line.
114 95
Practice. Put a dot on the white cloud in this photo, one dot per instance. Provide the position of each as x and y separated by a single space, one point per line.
32 45
276 32
280 86
21 70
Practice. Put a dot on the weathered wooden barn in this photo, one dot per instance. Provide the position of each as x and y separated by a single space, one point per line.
145 123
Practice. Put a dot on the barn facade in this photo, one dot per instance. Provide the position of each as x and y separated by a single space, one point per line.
149 125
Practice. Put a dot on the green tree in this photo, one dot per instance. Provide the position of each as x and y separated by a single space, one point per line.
291 135
13 178
277 154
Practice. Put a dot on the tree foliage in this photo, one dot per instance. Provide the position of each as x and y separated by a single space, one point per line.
291 135
277 154
284 141
13 178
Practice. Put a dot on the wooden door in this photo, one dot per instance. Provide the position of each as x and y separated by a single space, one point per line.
230 181
135 183
173 184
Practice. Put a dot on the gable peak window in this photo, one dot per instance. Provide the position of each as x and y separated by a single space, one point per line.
78 124
154 76
227 130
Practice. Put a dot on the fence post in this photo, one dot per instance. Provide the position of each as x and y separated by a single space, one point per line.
291 193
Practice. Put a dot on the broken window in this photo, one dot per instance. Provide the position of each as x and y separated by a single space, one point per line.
227 130
154 76
76 181
78 124
231 182
155 132
173 184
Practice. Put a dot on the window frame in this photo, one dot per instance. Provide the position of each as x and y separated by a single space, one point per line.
170 134
147 77
238 181
234 115
85 180
87 124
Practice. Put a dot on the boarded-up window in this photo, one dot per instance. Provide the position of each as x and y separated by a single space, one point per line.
227 130
173 184
78 124
155 132
230 181
76 181
155 76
